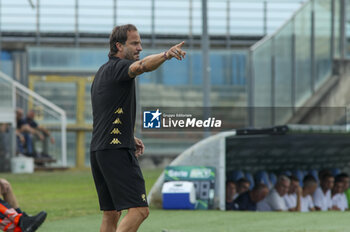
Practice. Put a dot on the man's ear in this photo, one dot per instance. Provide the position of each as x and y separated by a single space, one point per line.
119 46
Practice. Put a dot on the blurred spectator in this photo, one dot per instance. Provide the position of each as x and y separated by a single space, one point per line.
292 198
346 195
322 196
309 188
248 200
41 132
339 201
243 186
275 201
23 134
323 172
230 193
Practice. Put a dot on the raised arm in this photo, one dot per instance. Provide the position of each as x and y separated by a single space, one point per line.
152 62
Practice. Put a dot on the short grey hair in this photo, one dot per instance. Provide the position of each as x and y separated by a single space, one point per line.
282 178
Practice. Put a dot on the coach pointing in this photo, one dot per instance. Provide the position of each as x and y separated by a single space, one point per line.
114 149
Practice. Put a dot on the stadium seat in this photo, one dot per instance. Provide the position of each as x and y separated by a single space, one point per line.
305 172
286 173
273 178
262 177
314 173
335 171
235 175
249 177
300 175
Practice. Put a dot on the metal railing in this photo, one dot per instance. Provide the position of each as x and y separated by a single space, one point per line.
47 114
154 17
287 67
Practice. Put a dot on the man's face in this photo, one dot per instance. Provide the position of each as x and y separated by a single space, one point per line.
293 186
31 114
338 187
313 188
230 190
132 47
346 183
283 187
328 183
19 113
243 187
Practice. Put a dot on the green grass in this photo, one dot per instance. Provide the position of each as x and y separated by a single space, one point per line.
61 194
71 202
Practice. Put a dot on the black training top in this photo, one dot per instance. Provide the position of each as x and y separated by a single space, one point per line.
244 202
32 123
113 106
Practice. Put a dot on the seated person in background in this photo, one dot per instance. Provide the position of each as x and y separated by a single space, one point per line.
275 201
243 186
344 177
249 199
24 135
292 198
11 216
322 196
309 188
45 135
230 193
337 198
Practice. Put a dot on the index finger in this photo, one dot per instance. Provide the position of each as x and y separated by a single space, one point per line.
180 44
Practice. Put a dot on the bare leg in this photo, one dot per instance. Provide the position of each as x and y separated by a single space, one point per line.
109 221
10 197
133 219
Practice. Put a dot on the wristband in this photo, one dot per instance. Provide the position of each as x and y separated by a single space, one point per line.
165 56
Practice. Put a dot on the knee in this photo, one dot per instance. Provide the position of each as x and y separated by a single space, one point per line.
111 216
144 212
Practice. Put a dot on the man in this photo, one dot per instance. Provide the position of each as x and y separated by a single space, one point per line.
309 188
42 133
24 133
24 141
275 201
344 177
322 196
114 149
248 200
243 186
230 193
337 195
12 219
292 198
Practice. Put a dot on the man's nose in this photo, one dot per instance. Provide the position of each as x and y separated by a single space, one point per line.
139 48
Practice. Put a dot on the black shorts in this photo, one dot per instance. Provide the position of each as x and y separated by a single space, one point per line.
118 179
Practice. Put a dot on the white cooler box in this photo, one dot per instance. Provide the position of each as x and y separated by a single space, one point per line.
179 195
22 165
